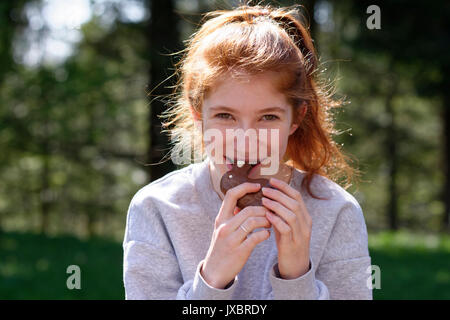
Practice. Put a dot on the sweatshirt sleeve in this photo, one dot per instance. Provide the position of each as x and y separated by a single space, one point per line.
305 287
150 266
345 267
343 271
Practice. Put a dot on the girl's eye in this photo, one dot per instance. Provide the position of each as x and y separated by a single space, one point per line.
227 116
271 117
223 115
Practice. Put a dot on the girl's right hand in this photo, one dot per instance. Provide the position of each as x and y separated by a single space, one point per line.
231 245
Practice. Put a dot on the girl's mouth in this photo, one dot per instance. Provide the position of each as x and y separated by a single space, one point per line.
240 163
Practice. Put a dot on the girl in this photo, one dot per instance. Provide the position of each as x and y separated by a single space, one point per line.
250 68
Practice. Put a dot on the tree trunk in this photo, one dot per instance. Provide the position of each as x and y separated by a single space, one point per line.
446 169
46 196
163 39
45 193
309 6
391 150
90 229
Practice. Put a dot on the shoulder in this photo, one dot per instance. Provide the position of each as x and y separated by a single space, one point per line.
338 201
335 194
148 205
172 189
345 217
169 188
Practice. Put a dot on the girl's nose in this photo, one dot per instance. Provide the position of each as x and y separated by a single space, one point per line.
247 125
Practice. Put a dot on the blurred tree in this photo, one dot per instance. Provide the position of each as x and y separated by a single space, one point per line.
412 38
163 37
10 23
75 133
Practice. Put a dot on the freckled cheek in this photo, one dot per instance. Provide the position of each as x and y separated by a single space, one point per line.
214 142
278 141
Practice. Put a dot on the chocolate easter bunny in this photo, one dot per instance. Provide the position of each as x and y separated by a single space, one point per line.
238 175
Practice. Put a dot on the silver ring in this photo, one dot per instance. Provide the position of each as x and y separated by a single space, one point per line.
243 228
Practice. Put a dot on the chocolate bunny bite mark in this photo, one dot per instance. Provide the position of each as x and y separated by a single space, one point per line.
237 176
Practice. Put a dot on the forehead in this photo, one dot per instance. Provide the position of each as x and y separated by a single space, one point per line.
256 91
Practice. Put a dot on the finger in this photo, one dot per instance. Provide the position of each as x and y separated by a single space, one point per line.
247 212
280 225
231 198
287 215
298 207
249 224
281 197
287 189
253 239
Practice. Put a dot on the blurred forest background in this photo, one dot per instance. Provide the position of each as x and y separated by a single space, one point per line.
77 126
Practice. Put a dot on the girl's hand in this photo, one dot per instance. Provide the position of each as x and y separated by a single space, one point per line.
292 225
231 245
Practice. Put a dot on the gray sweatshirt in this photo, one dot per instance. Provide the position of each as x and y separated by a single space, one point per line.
169 227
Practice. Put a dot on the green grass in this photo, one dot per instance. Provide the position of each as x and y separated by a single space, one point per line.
412 266
34 267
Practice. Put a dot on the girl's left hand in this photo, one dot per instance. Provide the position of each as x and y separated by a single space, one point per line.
292 226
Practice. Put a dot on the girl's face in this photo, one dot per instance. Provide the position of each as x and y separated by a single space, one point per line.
249 105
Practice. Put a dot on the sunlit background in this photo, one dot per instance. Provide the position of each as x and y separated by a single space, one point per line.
78 126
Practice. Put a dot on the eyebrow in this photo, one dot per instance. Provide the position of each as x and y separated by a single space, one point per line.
269 109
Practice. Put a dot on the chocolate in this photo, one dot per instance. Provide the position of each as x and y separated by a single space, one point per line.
237 176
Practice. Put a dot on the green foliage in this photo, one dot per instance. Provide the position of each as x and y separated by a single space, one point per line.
75 135
373 69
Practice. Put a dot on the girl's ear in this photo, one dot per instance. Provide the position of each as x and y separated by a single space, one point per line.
295 124
294 127
304 108
194 113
